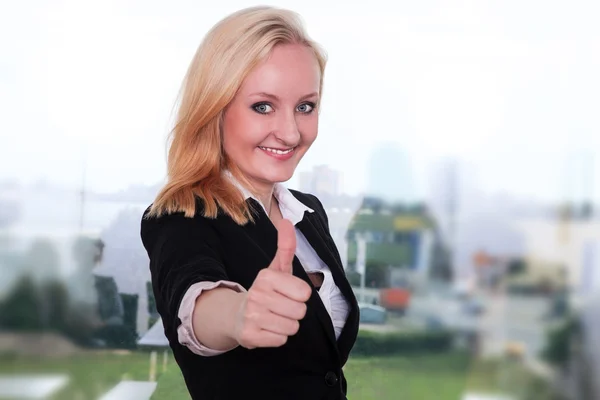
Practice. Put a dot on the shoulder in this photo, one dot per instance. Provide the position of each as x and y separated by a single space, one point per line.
174 226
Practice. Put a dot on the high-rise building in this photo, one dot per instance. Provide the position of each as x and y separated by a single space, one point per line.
578 182
321 181
455 202
444 196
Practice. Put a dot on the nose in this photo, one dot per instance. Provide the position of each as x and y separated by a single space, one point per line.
287 131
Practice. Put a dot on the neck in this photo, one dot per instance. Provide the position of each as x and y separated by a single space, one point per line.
261 190
265 195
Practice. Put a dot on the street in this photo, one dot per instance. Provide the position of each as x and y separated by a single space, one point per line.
506 319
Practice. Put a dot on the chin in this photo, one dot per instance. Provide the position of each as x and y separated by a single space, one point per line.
278 176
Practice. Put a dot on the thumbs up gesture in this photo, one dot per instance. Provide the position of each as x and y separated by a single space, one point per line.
276 302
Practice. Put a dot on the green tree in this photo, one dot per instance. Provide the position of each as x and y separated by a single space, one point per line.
20 311
559 341
55 296
82 321
517 267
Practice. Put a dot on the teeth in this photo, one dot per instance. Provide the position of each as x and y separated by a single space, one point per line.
275 150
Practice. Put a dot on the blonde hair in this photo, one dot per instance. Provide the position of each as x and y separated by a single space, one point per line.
196 159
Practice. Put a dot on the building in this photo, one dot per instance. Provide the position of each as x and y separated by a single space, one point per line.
573 244
322 181
401 243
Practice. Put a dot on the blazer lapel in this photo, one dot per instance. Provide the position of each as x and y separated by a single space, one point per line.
266 234
318 237
316 234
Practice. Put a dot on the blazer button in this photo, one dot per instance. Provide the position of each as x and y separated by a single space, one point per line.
331 378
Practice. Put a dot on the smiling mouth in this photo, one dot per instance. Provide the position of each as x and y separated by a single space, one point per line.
277 151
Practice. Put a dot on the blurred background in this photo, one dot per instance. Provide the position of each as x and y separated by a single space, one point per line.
458 160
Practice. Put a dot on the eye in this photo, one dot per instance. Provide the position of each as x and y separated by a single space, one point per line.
262 108
305 108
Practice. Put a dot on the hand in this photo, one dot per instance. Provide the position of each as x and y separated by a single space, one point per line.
271 310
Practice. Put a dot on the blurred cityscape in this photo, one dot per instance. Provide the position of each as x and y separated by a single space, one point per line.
456 159
502 278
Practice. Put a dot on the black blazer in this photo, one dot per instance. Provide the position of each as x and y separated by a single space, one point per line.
184 251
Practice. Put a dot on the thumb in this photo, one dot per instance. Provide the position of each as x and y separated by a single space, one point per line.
286 246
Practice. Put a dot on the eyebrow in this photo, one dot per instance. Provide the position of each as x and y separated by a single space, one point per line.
275 98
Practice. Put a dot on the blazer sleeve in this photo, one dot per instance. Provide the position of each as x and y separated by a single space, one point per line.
182 252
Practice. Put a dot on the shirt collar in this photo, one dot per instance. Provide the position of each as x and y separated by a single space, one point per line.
291 208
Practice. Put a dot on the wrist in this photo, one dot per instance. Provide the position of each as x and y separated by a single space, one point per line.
236 313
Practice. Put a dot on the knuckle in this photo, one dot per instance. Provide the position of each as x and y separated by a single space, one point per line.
307 292
250 338
281 340
248 344
252 317
259 280
263 275
295 327
301 310
264 272
306 287
266 276
248 316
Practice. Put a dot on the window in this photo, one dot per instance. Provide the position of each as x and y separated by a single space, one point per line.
470 146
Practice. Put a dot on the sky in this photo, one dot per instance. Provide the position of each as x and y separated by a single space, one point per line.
510 86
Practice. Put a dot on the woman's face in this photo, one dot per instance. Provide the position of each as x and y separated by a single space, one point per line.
273 120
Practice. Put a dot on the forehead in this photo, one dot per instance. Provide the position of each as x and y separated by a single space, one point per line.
290 70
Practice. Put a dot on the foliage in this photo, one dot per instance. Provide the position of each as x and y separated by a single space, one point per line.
386 253
558 344
517 267
377 344
55 300
117 336
443 376
20 310
81 323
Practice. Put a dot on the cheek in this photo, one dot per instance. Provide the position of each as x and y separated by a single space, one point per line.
231 129
309 130
244 128
235 131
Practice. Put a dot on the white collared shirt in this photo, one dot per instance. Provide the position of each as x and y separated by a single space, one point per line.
334 301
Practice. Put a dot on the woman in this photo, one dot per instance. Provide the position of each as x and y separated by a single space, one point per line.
246 276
